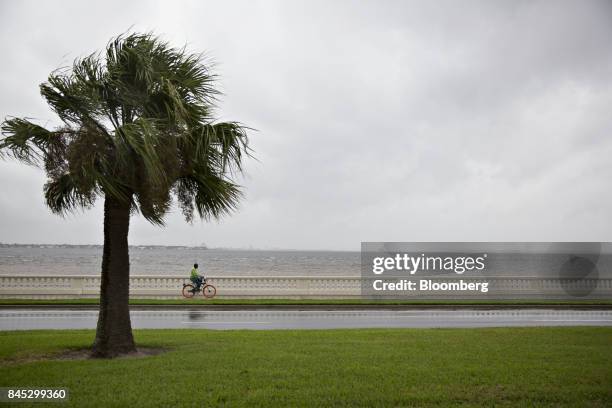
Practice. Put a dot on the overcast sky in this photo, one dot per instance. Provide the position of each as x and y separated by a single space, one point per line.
377 121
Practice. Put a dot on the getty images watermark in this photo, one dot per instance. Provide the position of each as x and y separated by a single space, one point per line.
410 264
407 270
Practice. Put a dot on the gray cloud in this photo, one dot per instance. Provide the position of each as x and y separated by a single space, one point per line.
397 121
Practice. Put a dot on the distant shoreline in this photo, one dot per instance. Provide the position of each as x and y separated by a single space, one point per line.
188 247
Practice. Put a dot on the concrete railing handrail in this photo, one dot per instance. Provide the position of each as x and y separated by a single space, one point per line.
184 276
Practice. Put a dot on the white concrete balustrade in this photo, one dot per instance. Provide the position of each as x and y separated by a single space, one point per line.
152 286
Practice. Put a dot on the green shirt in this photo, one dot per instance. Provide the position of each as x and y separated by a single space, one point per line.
194 273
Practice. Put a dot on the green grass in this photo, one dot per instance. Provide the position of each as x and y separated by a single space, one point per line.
262 302
387 367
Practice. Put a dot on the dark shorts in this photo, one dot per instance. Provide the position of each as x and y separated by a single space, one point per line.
197 281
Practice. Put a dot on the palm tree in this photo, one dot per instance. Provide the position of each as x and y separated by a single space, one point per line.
137 130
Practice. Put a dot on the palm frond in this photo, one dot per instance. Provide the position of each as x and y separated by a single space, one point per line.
220 145
209 195
62 195
26 141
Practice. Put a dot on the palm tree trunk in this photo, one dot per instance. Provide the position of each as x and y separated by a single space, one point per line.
114 331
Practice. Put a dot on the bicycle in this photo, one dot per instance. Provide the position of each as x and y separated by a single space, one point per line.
208 290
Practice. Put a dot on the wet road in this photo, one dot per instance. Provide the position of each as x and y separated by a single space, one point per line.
24 319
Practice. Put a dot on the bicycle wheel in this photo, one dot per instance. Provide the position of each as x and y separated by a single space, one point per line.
188 291
209 291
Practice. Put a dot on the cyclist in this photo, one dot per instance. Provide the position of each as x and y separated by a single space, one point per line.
195 277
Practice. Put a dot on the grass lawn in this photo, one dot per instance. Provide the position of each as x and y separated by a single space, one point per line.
383 367
348 302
